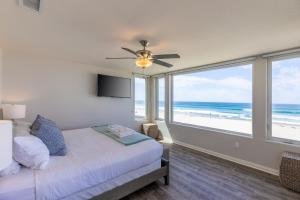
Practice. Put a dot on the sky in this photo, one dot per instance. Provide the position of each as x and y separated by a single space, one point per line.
286 81
139 87
235 84
232 84
161 89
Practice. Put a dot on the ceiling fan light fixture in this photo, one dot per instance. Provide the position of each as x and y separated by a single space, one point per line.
144 57
143 62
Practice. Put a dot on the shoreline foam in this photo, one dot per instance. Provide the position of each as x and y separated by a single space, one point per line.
280 130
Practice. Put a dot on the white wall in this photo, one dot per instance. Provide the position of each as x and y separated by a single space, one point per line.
266 155
62 91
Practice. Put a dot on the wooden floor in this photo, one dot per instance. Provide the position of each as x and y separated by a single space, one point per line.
199 176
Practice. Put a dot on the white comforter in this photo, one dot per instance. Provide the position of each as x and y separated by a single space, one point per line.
92 158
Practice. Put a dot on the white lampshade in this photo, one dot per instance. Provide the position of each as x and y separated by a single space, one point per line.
5 143
11 111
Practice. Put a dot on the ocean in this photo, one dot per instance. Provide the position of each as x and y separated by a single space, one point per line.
213 109
281 113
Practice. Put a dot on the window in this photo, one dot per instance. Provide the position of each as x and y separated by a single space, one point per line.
219 98
140 97
160 102
284 107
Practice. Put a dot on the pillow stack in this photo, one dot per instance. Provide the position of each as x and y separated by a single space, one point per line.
33 145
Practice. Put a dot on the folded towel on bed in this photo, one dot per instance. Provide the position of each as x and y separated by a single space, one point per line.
128 138
120 131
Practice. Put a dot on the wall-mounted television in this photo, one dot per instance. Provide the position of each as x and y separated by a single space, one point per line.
112 86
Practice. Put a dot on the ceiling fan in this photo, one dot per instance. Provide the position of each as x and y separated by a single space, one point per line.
145 58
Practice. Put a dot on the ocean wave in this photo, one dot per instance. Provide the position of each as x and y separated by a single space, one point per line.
247 109
215 114
286 117
282 119
282 114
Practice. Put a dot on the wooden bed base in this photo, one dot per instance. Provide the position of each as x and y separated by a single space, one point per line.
136 184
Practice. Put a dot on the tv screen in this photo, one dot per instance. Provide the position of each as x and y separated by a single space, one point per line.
112 86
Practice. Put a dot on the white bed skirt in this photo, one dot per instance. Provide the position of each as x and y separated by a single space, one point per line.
103 187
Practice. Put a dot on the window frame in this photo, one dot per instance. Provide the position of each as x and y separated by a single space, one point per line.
146 117
157 97
210 68
270 60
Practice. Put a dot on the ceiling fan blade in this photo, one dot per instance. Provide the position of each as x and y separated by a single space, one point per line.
121 58
129 50
165 64
166 56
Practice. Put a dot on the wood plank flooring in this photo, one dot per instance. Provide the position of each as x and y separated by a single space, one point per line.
198 176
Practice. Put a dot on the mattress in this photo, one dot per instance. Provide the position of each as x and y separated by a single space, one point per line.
92 160
93 191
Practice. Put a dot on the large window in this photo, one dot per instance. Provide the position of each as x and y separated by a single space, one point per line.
284 112
160 102
140 97
218 98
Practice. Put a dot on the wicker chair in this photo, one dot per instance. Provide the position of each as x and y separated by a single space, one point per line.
290 171
152 131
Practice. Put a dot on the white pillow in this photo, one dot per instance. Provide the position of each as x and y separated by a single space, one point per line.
12 169
31 152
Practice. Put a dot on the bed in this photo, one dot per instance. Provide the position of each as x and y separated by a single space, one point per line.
96 167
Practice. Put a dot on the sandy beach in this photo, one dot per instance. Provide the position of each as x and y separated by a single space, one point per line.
140 111
243 126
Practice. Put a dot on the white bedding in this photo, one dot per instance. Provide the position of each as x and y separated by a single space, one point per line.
92 159
112 183
18 185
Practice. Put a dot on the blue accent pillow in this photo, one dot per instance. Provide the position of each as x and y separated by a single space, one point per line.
50 134
39 120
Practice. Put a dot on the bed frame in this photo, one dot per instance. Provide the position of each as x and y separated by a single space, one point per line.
136 184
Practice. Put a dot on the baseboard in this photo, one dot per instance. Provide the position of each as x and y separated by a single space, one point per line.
230 158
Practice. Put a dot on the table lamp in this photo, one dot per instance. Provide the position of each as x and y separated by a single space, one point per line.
13 112
5 143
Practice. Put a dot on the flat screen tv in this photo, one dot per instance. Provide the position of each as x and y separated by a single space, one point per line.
112 86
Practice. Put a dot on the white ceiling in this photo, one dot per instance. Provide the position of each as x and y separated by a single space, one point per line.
201 31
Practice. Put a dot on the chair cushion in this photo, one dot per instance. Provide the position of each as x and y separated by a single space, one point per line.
50 134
